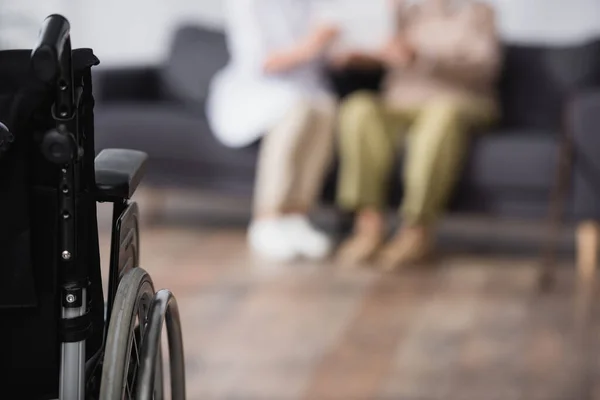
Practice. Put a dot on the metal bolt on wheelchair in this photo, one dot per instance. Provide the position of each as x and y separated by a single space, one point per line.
60 338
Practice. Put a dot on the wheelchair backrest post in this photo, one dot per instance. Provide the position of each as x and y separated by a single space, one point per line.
52 63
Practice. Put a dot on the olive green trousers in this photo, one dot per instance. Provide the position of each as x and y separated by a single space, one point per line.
436 138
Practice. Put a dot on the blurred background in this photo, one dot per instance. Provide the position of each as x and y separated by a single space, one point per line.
137 31
477 324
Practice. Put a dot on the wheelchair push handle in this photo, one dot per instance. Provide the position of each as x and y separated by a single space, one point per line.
54 40
51 63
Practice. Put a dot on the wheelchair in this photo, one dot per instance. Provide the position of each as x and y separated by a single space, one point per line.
61 336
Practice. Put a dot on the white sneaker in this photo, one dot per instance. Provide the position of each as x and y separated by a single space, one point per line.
308 241
271 239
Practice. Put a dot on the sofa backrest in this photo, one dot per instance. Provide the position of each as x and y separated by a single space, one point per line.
534 85
537 81
196 55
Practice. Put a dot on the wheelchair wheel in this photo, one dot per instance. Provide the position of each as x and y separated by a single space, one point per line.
124 339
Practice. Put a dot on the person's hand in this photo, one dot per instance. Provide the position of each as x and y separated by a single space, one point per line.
320 39
398 53
325 35
279 62
311 48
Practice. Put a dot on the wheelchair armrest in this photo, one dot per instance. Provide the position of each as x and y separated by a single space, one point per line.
119 172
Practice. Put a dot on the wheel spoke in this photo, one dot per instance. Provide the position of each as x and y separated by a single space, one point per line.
134 358
136 348
128 391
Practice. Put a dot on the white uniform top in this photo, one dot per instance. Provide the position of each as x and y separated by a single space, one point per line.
244 102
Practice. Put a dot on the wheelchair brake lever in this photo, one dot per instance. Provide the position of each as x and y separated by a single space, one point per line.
6 139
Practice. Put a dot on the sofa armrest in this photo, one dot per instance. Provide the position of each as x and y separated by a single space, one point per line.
127 84
585 126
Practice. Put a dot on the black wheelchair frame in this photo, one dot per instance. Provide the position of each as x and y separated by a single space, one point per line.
99 353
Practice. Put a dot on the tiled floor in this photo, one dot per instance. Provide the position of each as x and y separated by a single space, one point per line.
471 327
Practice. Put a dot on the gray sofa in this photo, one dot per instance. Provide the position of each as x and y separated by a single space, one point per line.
510 172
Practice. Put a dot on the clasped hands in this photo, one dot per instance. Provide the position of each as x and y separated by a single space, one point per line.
396 53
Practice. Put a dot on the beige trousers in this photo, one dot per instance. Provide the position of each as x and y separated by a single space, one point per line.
294 157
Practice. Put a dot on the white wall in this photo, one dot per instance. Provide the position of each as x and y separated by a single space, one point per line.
119 31
134 31
549 20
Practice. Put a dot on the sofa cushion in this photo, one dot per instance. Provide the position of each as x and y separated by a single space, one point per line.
502 160
167 132
513 160
196 55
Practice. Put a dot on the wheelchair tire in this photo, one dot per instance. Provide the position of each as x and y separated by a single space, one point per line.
124 338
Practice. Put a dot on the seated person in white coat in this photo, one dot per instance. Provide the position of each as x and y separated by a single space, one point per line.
274 88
